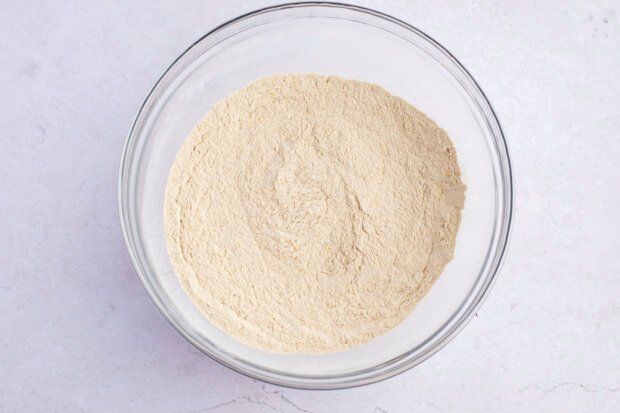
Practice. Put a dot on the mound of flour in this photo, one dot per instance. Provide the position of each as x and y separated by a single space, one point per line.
309 214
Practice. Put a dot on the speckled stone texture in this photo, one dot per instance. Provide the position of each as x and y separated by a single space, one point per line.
77 331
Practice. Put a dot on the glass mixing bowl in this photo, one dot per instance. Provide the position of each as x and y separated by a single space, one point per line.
354 43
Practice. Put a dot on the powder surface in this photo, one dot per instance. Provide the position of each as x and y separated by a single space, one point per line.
309 214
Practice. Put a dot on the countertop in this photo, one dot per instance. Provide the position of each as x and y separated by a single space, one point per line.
77 330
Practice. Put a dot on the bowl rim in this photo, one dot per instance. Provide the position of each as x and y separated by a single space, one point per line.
400 363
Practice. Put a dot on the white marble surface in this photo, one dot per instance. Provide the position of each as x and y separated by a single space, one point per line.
77 331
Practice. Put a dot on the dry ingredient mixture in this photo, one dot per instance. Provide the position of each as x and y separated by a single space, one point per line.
309 214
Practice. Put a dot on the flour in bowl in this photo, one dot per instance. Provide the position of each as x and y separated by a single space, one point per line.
309 214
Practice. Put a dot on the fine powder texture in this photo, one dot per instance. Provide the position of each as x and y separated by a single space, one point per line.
309 214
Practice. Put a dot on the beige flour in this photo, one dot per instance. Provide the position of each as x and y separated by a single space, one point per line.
309 214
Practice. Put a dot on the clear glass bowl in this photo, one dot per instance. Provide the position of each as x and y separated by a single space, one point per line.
354 43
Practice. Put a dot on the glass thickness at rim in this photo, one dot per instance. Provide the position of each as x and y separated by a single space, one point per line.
391 367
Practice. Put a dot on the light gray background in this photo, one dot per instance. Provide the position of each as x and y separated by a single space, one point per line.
77 331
